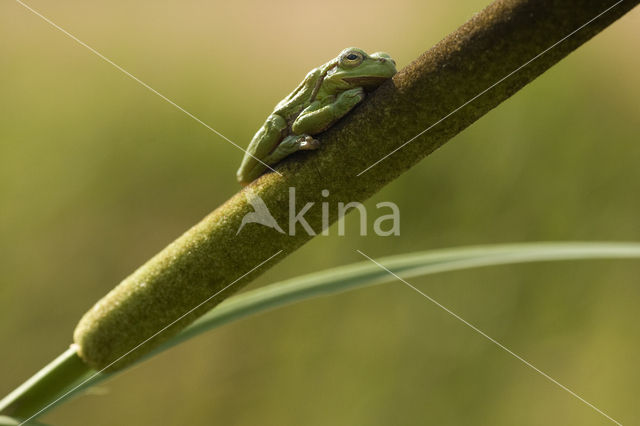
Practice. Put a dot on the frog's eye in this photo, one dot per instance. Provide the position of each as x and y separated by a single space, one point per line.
352 59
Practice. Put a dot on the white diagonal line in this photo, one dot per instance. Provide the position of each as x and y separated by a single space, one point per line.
136 79
494 341
489 88
149 338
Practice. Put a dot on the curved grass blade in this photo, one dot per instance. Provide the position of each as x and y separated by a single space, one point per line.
364 274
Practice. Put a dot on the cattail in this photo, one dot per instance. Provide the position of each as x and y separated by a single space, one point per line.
190 276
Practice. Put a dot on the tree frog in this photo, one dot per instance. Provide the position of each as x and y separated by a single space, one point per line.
325 95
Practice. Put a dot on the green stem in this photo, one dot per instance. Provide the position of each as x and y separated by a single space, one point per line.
47 387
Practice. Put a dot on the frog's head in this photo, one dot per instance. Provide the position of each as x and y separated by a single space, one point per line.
354 68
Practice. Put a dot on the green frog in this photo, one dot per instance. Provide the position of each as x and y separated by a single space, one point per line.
325 95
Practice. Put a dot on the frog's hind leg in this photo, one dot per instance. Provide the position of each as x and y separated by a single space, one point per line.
291 144
263 143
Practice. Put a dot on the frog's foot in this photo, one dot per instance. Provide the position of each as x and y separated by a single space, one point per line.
308 143
289 145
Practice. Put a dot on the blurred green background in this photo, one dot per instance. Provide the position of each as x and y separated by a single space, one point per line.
97 174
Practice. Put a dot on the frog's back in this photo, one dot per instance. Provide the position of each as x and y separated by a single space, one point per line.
300 98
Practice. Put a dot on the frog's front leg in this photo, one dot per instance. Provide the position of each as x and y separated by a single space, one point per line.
319 116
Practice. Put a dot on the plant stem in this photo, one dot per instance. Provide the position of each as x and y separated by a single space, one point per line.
40 392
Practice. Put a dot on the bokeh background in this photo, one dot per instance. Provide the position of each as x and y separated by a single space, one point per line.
97 174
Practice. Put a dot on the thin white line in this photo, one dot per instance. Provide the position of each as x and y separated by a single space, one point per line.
491 339
154 335
133 77
488 88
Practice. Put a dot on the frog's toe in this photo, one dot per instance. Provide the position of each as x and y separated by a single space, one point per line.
309 143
